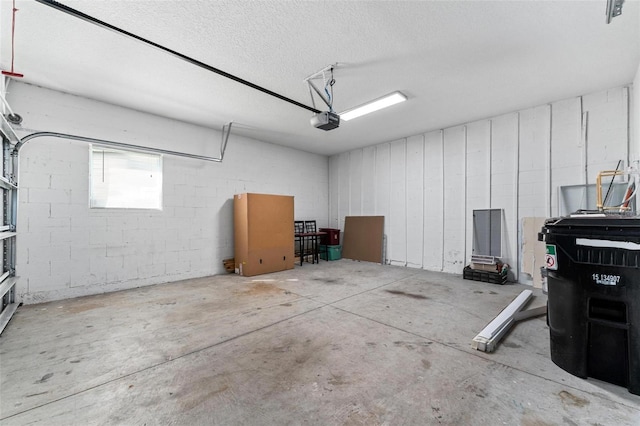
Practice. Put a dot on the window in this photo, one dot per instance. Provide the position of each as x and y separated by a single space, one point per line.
487 232
125 179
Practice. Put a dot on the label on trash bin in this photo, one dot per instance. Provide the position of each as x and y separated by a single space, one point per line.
550 259
604 279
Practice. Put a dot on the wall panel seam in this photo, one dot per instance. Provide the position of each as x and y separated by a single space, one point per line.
443 192
517 202
464 215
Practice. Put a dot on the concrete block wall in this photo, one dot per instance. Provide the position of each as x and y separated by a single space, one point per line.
428 185
66 249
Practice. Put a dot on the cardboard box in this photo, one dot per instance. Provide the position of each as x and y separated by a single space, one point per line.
263 233
485 267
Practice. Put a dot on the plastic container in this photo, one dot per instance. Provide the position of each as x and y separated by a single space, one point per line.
485 276
333 252
593 279
332 238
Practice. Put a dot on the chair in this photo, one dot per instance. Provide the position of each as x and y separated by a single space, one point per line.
310 227
298 228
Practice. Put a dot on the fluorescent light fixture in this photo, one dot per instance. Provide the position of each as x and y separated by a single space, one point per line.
375 105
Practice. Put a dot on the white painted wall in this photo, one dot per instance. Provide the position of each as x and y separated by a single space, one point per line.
66 249
427 185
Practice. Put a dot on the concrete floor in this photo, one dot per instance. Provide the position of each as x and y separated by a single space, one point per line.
343 342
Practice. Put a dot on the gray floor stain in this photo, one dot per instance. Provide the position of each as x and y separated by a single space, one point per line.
328 280
36 394
403 293
570 399
44 378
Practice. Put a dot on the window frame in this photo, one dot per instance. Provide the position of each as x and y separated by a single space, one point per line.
160 159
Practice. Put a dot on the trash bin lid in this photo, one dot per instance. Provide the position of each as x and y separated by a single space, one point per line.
623 226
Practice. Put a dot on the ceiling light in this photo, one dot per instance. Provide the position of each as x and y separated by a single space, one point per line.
375 105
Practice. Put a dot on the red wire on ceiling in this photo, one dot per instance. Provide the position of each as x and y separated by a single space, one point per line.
13 44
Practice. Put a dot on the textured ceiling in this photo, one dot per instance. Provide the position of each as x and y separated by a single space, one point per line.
457 61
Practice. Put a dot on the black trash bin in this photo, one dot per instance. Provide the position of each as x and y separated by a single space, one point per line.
593 266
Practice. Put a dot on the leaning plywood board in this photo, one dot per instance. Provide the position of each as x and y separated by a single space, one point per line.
533 251
363 238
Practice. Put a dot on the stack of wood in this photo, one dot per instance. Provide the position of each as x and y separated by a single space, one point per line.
229 265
